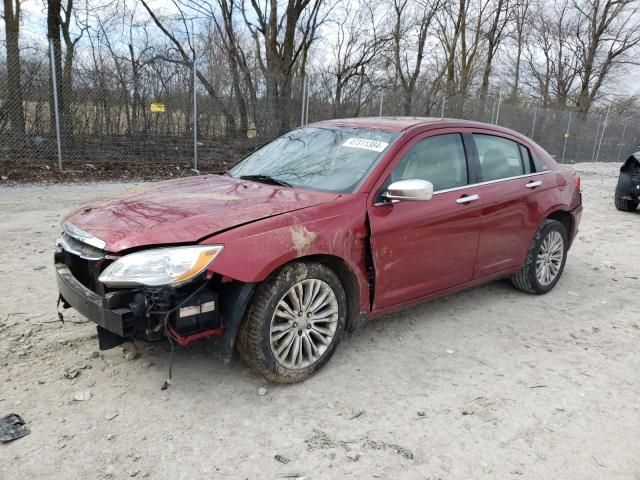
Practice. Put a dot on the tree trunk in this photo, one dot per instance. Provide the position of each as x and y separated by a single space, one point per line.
14 87
53 34
66 88
407 100
337 107
516 78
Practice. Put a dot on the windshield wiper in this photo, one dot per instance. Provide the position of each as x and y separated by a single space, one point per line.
265 179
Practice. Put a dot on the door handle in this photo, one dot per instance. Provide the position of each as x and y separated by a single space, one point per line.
468 198
533 184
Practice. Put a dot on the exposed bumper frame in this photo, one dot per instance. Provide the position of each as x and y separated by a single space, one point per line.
110 311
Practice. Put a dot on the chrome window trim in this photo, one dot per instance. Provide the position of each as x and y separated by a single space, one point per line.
499 180
82 236
470 185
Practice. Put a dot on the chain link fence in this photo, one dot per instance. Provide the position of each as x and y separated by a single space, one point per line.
117 115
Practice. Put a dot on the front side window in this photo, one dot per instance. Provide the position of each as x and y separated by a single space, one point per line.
440 160
333 159
499 157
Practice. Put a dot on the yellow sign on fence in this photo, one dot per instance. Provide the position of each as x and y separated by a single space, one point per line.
158 107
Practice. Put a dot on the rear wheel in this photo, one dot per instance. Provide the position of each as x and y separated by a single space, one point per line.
625 205
294 322
545 261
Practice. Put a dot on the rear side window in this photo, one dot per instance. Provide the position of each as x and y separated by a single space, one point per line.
440 160
499 157
538 164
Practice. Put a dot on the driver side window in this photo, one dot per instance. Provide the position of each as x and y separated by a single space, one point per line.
439 159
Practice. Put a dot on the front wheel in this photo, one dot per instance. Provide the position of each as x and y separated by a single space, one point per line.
294 322
545 261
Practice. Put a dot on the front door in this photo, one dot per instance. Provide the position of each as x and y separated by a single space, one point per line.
421 247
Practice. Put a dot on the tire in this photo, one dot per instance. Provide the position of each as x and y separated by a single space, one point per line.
528 279
270 323
625 205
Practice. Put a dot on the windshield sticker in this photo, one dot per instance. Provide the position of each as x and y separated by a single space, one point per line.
374 145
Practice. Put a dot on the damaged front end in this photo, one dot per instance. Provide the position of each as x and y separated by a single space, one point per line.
197 304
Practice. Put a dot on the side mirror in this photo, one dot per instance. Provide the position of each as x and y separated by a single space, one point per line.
409 190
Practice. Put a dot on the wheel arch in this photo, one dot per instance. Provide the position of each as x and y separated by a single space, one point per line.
564 217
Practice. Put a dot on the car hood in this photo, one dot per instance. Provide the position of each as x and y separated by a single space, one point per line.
186 210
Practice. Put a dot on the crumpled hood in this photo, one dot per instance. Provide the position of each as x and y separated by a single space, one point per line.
186 210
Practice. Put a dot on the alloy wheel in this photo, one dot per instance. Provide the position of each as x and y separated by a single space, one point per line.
304 324
550 256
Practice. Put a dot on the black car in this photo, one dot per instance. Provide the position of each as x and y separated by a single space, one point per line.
628 189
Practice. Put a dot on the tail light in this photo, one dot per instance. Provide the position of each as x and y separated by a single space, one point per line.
576 178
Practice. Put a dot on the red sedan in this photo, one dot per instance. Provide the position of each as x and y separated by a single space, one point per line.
318 231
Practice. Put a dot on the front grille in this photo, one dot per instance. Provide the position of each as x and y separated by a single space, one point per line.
85 262
84 270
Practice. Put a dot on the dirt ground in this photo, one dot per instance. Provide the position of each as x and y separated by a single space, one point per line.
487 383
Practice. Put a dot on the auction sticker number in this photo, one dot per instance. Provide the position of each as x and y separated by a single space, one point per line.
374 145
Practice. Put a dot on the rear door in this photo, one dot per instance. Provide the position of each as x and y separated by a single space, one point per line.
510 190
420 247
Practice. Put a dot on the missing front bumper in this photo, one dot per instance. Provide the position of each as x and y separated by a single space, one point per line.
148 313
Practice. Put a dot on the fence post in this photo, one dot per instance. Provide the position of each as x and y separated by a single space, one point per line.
498 109
604 127
381 102
566 137
595 143
304 102
444 101
54 84
195 115
533 127
493 110
306 110
624 128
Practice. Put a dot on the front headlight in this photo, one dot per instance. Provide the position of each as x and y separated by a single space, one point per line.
172 266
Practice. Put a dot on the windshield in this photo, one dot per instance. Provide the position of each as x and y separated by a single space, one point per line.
318 158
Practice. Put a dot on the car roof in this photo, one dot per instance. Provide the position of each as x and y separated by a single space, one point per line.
401 124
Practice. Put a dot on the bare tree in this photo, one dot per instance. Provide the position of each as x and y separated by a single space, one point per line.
500 17
460 28
355 44
411 22
66 21
13 108
552 60
226 29
608 37
282 42
187 59
521 18
54 23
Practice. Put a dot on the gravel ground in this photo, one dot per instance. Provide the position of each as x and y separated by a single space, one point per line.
487 383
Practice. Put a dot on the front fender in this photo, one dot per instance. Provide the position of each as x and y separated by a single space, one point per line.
338 229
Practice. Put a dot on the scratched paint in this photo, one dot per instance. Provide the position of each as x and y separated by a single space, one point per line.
302 239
